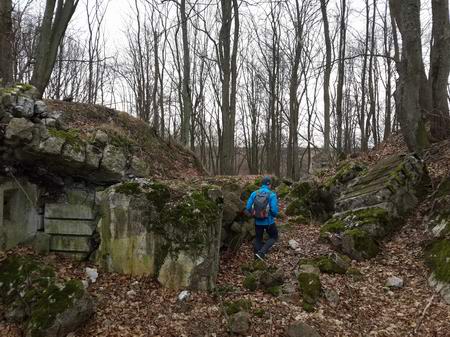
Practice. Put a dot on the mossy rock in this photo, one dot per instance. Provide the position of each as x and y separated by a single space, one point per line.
359 245
254 266
333 264
233 307
301 189
346 172
251 281
274 291
129 188
437 257
334 225
283 190
374 220
298 207
70 136
39 301
310 287
248 190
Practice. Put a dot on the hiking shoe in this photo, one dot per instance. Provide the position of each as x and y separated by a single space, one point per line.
259 256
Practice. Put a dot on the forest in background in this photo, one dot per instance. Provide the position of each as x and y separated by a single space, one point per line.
268 83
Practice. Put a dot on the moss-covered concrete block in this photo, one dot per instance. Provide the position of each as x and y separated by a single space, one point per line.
169 230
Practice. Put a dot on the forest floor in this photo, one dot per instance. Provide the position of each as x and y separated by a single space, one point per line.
139 306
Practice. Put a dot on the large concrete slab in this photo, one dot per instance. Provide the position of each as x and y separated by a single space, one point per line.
67 211
69 243
68 226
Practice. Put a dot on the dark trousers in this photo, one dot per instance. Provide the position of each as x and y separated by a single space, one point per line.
259 246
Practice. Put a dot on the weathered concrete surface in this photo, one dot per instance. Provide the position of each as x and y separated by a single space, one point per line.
437 254
372 205
169 230
19 219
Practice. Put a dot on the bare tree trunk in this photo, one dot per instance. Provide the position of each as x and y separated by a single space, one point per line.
362 113
155 102
341 69
439 70
407 17
52 30
6 35
326 84
186 91
228 67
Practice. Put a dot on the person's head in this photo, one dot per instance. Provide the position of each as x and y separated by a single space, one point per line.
267 181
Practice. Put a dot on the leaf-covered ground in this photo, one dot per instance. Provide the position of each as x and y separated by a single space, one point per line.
129 306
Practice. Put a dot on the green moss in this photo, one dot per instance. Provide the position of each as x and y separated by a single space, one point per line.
254 266
274 291
119 140
234 307
334 225
158 194
308 307
355 273
346 172
251 282
71 137
363 243
298 207
18 274
310 287
129 188
192 215
248 190
53 301
259 312
301 189
327 265
24 86
437 256
283 190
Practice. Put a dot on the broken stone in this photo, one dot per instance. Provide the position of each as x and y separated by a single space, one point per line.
394 282
240 323
19 129
101 137
92 274
300 329
293 244
184 296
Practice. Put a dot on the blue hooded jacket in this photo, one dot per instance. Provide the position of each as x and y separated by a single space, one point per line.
273 204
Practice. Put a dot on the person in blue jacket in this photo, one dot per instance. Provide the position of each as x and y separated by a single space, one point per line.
266 223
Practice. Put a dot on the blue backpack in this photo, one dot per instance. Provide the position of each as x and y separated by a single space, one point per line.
261 207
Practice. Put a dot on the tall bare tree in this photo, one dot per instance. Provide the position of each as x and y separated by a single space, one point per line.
411 116
56 18
228 49
327 74
440 69
6 59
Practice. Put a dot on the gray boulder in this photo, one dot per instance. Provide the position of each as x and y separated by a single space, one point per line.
300 329
19 129
240 323
38 301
